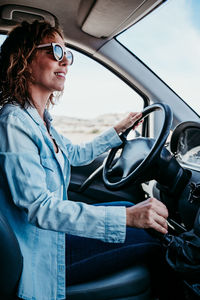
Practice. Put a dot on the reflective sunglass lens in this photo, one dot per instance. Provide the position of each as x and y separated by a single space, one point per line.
58 52
69 56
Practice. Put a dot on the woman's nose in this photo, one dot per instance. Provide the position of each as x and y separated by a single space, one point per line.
64 61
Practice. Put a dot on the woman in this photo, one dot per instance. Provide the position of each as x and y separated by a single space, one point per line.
35 162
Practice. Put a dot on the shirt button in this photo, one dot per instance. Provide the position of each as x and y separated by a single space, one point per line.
61 268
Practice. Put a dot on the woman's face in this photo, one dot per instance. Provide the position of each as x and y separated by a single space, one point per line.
47 73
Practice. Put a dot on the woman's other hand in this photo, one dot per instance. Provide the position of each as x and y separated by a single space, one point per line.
127 122
150 213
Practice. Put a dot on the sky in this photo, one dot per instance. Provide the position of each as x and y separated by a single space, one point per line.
167 40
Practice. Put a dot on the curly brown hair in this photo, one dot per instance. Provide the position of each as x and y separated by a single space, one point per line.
16 54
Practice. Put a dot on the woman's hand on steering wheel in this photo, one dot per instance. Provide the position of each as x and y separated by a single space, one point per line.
150 213
137 156
128 122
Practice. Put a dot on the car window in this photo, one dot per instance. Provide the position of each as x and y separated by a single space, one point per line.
2 38
168 40
93 100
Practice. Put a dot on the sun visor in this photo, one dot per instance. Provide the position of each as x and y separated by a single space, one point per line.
109 17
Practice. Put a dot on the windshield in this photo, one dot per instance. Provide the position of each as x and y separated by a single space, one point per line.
168 41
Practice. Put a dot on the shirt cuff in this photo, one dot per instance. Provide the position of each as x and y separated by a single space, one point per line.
115 225
112 137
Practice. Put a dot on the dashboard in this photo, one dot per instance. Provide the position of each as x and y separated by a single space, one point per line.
185 144
185 148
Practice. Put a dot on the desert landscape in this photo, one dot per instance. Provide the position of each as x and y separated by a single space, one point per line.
82 130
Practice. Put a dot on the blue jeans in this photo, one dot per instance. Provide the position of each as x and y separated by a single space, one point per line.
88 259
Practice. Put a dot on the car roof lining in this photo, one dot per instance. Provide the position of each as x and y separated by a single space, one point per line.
81 19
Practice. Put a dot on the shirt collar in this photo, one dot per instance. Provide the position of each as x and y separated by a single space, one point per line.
32 111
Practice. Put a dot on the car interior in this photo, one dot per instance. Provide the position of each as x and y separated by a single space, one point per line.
162 161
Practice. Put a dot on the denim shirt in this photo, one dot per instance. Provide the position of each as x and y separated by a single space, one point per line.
30 197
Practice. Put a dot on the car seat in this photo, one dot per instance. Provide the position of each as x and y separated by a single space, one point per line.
10 261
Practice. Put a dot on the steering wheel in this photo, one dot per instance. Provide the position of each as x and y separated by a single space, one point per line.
137 155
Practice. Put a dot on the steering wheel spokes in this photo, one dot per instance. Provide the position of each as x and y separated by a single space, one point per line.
137 155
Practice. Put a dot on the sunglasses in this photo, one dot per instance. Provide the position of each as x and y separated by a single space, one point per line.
59 52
